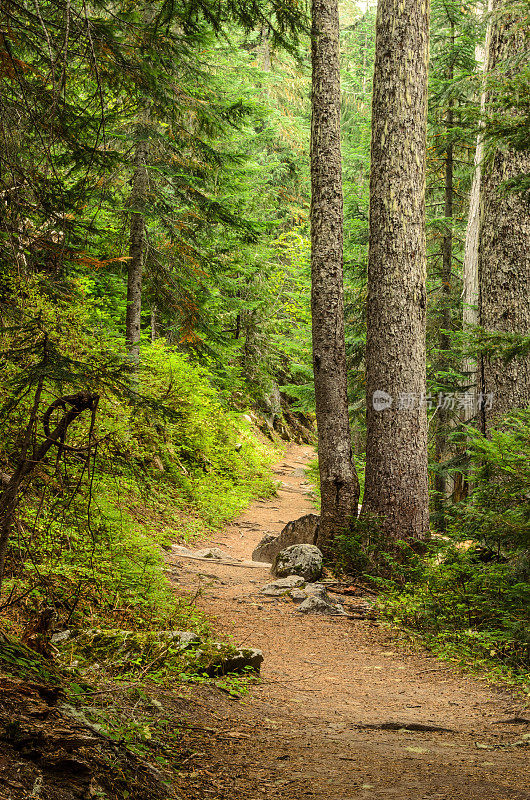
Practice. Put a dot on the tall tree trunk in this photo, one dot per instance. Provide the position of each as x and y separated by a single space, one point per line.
470 317
441 482
154 326
470 274
136 250
338 479
396 490
447 243
265 49
504 249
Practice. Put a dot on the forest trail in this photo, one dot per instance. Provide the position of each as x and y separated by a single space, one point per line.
299 733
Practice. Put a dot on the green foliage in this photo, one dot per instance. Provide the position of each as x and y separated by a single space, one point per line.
23 662
507 118
471 595
498 510
81 86
218 92
209 451
454 88
170 453
155 655
466 594
464 607
171 460
358 54
366 551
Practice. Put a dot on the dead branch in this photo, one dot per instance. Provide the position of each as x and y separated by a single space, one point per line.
72 406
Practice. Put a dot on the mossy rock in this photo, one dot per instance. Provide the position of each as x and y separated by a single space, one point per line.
214 659
124 650
176 652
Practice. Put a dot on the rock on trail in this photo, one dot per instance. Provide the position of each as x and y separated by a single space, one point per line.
299 531
298 559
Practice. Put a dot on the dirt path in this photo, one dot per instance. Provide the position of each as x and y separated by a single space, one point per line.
300 732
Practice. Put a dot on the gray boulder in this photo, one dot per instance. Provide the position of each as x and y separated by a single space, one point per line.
183 639
317 601
301 593
298 595
60 636
316 604
317 588
282 586
249 658
180 550
298 559
261 552
300 531
246 659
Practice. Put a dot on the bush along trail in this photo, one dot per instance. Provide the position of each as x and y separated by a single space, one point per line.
341 710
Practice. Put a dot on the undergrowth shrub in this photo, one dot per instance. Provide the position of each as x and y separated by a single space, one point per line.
498 510
466 594
465 607
172 460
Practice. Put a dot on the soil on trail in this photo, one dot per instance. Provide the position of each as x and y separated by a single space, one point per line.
341 712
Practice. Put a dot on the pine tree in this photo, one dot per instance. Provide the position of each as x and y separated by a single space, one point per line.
504 252
136 248
452 112
396 451
470 291
339 485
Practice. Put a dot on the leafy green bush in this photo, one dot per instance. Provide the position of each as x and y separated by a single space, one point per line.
171 461
466 594
210 452
498 510
461 605
471 595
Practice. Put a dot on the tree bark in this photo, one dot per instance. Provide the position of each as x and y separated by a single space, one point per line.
470 293
266 64
339 485
441 482
154 325
504 249
470 275
136 251
396 492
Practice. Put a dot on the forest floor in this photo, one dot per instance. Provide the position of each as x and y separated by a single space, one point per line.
343 710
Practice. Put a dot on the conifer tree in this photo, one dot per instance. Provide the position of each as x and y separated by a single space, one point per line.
470 258
396 451
452 112
339 485
136 248
504 252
